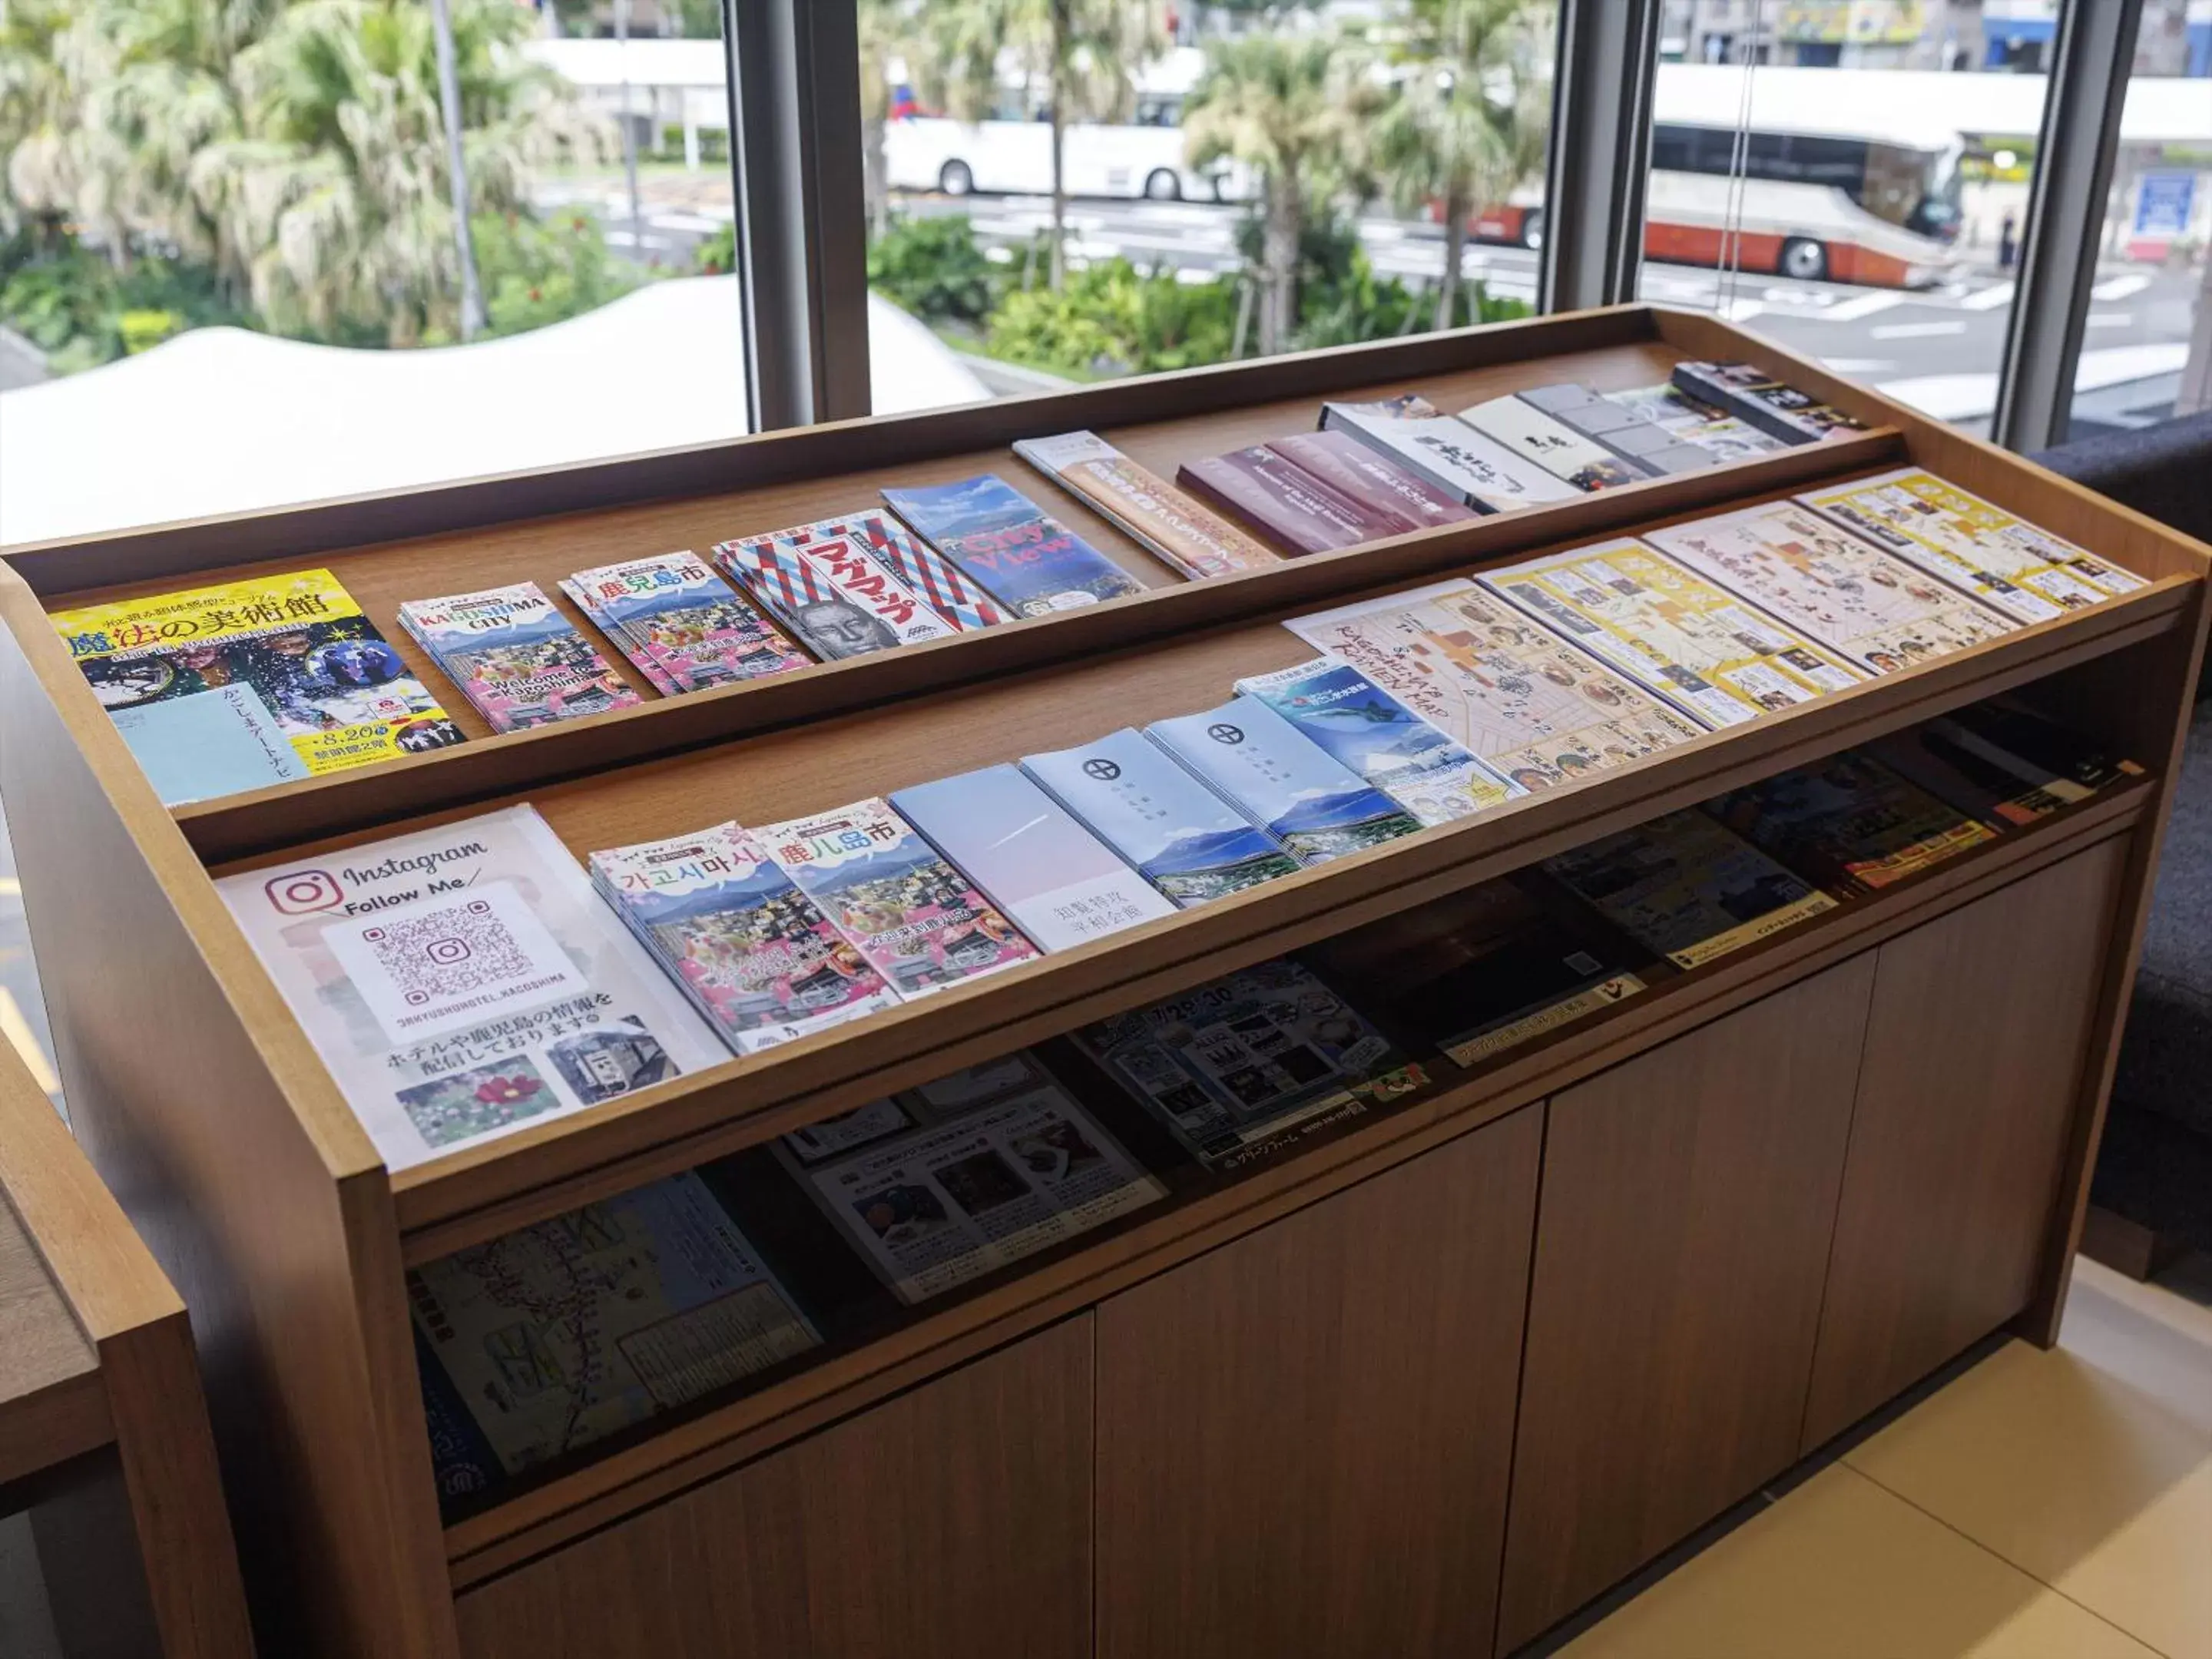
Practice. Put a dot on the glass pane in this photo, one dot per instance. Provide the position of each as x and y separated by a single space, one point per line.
1851 177
1231 179
233 273
2147 348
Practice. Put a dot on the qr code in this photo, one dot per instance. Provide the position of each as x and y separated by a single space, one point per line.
439 954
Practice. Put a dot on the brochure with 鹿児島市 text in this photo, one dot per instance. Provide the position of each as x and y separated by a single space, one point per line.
681 624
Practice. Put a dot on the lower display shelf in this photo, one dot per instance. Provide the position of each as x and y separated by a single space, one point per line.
872 1345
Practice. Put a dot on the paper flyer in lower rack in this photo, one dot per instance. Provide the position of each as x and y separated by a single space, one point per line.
462 982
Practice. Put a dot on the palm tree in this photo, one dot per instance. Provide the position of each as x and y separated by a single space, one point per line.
889 29
1288 105
36 101
1467 122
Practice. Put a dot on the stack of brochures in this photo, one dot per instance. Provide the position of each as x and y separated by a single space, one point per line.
515 656
680 624
1027 560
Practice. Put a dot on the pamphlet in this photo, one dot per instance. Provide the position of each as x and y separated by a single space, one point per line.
1284 501
462 982
1187 533
1380 486
830 593
909 562
220 689
1627 432
1530 432
1028 561
1849 823
1720 434
1447 452
681 623
515 656
1757 397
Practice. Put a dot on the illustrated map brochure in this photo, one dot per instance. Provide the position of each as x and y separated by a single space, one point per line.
1187 533
1245 1065
563 1333
1534 709
1376 483
1447 452
1755 396
1848 823
1183 838
1025 559
907 560
1829 585
219 690
461 981
681 623
757 956
516 656
1720 434
978 1187
1698 645
1628 433
919 921
1317 806
2027 572
1367 730
1060 885
1530 432
1687 888
835 601
1284 501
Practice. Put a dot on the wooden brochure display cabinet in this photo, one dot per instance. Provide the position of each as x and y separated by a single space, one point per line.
1424 1387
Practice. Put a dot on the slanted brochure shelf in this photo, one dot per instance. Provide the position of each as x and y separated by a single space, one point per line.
208 1108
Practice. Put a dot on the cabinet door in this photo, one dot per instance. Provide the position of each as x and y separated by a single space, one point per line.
953 1522
1974 1057
1302 1438
1688 1202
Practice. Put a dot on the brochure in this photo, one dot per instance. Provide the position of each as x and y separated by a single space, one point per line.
515 656
655 675
561 1333
1187 533
1832 586
907 561
1686 888
1447 452
219 690
2028 572
1284 501
836 600
757 956
1848 823
1698 645
1382 487
1364 728
1684 418
1028 561
919 921
674 615
1530 432
464 981
1314 805
1246 1065
1757 397
1060 885
1183 838
1531 706
1626 432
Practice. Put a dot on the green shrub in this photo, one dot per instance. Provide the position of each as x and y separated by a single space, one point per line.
934 268
536 271
1111 319
81 312
142 330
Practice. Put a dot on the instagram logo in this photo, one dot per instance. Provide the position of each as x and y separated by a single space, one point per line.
300 892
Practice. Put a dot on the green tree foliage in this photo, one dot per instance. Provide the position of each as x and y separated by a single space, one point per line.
539 271
81 312
934 268
1111 318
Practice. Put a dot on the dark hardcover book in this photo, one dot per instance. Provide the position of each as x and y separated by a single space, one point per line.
1758 399
1849 823
1382 486
1283 501
1960 774
2036 750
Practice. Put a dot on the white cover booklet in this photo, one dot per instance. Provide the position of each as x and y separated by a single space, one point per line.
464 980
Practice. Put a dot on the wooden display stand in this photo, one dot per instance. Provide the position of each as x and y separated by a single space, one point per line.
1375 1397
103 1431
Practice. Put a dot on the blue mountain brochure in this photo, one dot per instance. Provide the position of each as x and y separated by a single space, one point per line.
1311 803
1362 726
1184 839
1060 885
1024 558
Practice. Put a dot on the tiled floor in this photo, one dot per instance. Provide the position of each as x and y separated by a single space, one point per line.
2041 1506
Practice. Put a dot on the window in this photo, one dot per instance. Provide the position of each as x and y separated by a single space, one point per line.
2147 342
1844 177
239 270
1073 191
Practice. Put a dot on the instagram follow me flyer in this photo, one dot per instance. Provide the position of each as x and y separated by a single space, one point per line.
465 981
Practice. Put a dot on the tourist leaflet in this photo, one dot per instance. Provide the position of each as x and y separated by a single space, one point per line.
1751 393
235 687
757 956
1849 822
1317 807
1723 436
1833 587
681 624
515 656
1698 645
1242 1065
920 923
1059 883
1342 712
463 982
1284 501
1533 434
1686 888
1027 560
558 1334
988 1166
909 562
1187 533
1378 485
1627 432
2027 572
1448 452
1182 837
1533 707
835 599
